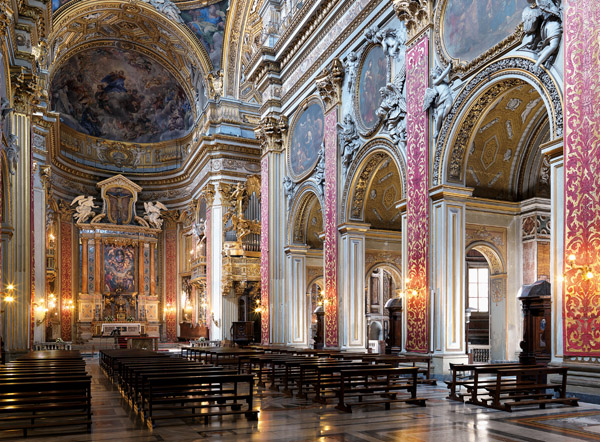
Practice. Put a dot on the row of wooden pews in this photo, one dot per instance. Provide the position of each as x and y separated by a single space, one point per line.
45 390
160 387
321 374
508 385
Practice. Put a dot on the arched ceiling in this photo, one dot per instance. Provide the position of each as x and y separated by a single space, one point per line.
382 196
130 72
502 141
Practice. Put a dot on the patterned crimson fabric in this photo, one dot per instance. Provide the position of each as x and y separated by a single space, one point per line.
171 282
582 181
264 248
331 239
417 63
66 291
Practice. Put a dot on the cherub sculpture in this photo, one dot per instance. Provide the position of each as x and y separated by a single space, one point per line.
439 97
85 204
152 214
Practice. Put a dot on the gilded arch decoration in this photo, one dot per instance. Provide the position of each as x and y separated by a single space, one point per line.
477 95
300 210
361 173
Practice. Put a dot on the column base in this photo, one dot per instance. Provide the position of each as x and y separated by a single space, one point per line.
440 363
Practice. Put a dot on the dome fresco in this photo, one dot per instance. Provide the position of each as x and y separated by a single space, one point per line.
122 96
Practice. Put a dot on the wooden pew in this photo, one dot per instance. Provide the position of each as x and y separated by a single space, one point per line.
467 378
384 383
530 388
199 396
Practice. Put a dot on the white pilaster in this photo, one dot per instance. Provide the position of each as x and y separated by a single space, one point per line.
39 221
298 333
448 276
352 286
216 295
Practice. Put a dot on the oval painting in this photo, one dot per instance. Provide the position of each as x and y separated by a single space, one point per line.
471 27
373 76
307 138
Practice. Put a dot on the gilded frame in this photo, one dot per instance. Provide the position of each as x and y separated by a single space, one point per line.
463 68
296 118
363 129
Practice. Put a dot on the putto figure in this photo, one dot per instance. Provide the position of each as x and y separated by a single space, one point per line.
85 204
439 97
152 214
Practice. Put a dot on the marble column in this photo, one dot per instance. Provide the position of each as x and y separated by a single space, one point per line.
152 268
447 272
582 181
39 229
265 249
98 266
352 287
66 276
141 268
296 296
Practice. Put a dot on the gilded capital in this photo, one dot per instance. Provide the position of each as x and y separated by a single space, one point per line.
270 132
209 194
416 14
26 88
329 84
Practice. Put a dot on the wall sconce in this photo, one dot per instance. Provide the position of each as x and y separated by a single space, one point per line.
69 306
212 318
586 271
8 295
169 308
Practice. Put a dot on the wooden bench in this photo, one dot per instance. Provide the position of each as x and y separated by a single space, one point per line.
530 388
468 378
199 396
384 383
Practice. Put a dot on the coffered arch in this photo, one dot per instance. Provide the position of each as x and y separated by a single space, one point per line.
376 166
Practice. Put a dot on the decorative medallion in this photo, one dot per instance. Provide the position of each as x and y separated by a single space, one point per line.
306 139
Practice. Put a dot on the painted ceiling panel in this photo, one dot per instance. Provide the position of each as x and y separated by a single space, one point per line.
122 96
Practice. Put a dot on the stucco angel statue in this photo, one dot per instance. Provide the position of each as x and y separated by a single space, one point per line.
439 97
152 214
542 25
85 204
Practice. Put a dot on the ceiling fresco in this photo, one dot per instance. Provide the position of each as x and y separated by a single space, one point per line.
208 24
205 19
500 143
120 95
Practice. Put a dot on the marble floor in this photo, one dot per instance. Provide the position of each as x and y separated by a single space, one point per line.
290 419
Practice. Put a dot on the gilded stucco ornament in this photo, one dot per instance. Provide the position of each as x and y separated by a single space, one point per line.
329 84
416 15
270 132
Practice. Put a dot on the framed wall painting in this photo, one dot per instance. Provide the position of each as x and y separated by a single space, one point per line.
373 75
305 139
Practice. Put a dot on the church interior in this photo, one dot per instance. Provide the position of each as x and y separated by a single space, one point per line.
244 219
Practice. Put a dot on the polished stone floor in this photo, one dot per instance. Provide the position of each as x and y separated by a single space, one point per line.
285 419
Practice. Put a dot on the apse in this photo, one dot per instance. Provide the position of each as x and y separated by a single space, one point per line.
120 95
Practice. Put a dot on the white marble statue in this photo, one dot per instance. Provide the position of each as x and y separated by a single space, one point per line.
351 66
85 204
152 213
542 25
439 97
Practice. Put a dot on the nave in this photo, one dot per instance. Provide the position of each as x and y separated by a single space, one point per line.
293 419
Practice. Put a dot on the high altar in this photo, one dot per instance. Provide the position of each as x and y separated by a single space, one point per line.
118 262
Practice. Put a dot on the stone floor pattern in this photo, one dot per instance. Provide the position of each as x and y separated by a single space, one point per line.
285 419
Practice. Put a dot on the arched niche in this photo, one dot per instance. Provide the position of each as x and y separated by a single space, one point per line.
305 223
370 171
